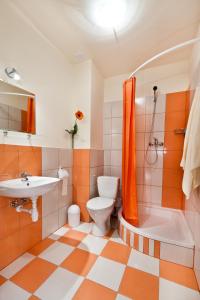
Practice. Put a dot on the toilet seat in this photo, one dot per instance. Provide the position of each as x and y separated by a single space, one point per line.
98 203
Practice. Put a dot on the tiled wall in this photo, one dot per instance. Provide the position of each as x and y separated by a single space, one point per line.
17 231
87 165
149 178
176 117
154 185
54 205
113 113
149 175
10 117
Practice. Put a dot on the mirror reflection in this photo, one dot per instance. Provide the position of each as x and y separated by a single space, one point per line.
17 108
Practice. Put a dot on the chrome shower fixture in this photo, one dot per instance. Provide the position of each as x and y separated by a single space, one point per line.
12 73
156 143
155 88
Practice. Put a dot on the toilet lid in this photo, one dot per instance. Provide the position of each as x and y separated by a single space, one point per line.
100 203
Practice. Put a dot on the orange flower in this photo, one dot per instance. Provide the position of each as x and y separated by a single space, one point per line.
79 115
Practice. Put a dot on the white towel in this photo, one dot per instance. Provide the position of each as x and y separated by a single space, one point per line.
191 151
63 175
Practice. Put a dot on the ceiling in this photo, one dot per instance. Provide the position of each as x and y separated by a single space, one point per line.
151 26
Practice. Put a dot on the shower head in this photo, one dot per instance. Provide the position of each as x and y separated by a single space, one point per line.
154 91
155 88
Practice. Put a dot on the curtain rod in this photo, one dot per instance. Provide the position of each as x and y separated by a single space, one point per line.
17 94
163 53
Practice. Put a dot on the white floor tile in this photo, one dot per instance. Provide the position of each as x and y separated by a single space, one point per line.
58 233
93 244
107 272
116 238
171 290
17 265
57 252
10 291
121 297
143 262
84 227
61 285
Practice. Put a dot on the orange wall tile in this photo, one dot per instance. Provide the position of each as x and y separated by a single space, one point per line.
17 231
81 180
177 107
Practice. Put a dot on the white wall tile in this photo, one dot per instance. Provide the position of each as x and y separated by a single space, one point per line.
116 171
107 141
156 177
116 158
140 141
147 176
151 157
139 175
64 200
50 158
159 122
117 109
149 105
50 202
140 192
161 104
147 194
116 141
93 175
65 158
49 224
107 126
107 171
140 158
140 105
62 216
140 123
107 109
116 125
156 195
107 158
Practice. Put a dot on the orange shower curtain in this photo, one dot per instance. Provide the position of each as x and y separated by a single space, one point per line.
129 197
31 115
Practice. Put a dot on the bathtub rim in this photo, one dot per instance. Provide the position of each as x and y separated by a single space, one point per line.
154 236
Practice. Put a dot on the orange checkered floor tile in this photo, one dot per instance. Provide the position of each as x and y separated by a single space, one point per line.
74 264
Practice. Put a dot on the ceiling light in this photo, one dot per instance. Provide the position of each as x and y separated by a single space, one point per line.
12 73
109 13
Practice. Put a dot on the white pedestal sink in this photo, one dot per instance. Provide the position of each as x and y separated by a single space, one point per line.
32 188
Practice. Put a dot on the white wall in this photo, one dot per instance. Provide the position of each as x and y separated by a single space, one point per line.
81 97
169 78
60 88
96 109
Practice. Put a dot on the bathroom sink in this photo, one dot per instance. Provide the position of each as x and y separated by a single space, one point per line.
33 187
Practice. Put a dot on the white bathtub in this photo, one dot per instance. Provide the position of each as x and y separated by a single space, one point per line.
162 224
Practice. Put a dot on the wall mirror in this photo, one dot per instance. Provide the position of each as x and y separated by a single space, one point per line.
17 109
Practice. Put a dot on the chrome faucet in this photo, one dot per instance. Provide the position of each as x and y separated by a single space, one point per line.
24 176
156 143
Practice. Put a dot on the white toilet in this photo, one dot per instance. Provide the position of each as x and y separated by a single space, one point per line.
100 208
